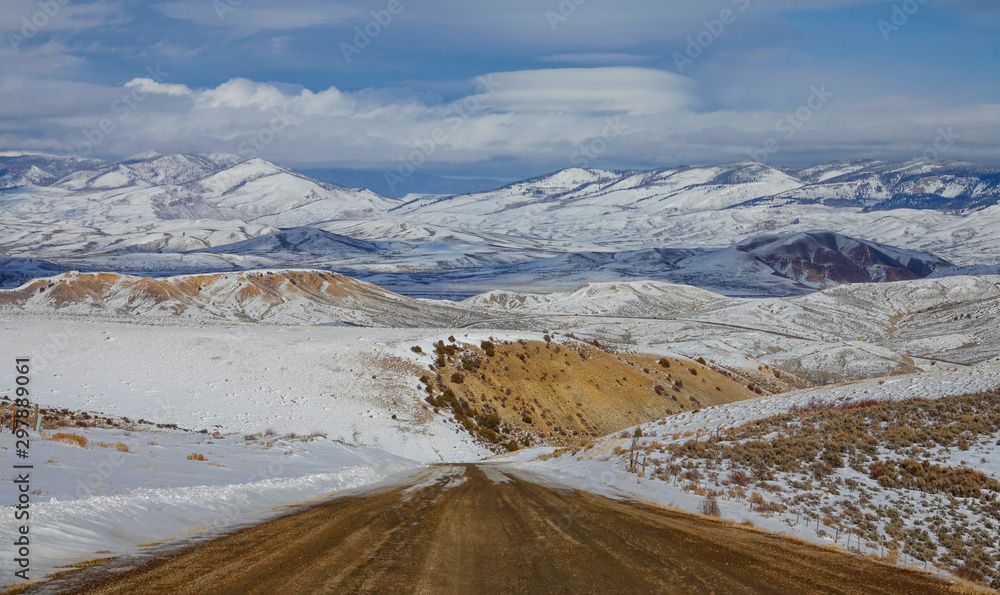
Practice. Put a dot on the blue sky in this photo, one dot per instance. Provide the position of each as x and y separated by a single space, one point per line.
503 89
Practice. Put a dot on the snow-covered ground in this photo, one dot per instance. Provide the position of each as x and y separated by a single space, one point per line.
345 382
599 469
102 500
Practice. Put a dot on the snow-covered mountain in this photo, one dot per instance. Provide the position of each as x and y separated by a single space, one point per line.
574 193
919 184
921 205
39 170
173 186
742 228
929 184
263 192
148 169
69 207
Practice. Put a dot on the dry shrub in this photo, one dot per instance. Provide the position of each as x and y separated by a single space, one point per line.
877 470
70 439
740 478
196 457
710 507
969 572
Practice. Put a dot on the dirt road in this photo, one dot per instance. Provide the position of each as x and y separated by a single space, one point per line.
485 529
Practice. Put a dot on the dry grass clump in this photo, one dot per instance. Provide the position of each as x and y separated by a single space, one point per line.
69 439
196 457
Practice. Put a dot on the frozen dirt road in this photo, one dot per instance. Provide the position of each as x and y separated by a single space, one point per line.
459 529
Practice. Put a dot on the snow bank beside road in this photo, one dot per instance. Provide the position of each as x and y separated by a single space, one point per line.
97 502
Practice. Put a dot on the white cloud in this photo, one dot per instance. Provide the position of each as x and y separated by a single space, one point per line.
584 90
149 85
538 117
598 59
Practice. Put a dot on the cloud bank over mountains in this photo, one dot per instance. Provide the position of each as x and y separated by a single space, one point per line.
500 87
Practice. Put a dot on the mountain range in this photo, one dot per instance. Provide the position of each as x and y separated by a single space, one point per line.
741 229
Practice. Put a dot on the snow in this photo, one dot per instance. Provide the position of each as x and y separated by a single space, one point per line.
344 382
97 499
606 299
594 236
598 470
158 213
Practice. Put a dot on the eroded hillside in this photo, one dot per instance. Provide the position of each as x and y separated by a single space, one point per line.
516 393
284 297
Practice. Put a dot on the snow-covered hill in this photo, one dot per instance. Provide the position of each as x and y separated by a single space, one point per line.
274 297
309 241
635 299
267 193
825 258
838 334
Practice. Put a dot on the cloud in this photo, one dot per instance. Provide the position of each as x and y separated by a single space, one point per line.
27 19
597 59
587 90
251 16
643 118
